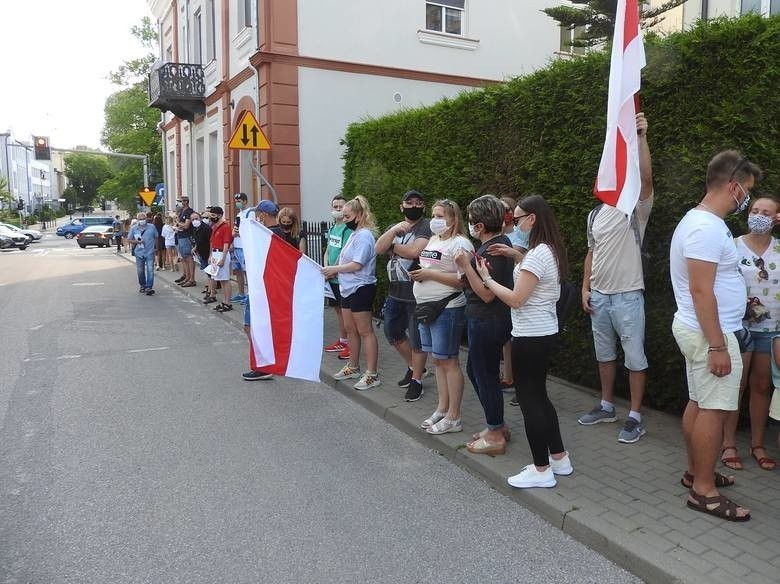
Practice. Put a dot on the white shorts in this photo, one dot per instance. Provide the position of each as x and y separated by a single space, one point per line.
223 273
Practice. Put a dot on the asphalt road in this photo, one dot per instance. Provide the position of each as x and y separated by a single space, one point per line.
132 451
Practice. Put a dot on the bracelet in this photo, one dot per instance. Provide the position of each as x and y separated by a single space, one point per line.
486 280
716 349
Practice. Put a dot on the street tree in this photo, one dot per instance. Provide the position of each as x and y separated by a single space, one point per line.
130 125
596 18
85 173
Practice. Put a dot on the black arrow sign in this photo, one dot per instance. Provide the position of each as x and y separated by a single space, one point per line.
254 131
244 138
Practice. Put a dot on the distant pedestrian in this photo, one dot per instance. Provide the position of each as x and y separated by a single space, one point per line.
436 282
201 236
221 238
711 298
169 242
159 224
533 298
237 261
356 271
338 235
184 242
144 237
118 232
291 226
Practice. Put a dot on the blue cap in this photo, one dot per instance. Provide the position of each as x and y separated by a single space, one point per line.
267 207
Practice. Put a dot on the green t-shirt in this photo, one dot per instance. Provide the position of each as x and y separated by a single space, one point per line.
337 239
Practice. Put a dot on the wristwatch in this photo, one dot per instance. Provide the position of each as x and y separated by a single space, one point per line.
486 280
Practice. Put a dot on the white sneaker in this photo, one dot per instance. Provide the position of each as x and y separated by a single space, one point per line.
530 477
368 381
561 467
347 372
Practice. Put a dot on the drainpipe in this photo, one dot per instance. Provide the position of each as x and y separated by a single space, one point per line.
705 9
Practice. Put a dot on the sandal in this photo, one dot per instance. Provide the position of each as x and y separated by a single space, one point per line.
732 462
189 284
222 307
209 299
482 446
720 480
725 509
505 431
764 462
435 417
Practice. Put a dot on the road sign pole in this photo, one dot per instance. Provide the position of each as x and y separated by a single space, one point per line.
266 181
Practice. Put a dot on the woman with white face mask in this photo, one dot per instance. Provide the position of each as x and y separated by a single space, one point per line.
437 279
759 263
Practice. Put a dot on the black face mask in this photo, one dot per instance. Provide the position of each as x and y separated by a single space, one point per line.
351 225
413 213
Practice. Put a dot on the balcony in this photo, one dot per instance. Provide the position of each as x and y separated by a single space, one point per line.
178 88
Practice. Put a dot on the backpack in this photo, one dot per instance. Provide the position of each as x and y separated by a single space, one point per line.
640 241
565 304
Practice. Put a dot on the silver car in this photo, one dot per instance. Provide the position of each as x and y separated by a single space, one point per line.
32 234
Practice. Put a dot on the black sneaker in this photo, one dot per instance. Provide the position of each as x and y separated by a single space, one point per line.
256 375
414 392
142 290
149 291
407 379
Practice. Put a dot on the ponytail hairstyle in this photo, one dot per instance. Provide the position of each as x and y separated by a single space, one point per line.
359 205
546 230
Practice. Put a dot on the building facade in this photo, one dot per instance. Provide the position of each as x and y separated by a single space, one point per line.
29 181
307 69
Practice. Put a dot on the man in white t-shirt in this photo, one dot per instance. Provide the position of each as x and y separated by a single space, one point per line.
613 294
711 298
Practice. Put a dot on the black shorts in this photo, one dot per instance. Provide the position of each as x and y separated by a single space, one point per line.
361 300
337 293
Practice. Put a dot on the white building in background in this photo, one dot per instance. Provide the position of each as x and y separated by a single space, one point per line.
29 180
309 68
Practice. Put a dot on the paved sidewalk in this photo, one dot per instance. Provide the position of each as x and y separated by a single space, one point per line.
623 500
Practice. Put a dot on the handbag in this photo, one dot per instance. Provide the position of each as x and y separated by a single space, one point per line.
427 312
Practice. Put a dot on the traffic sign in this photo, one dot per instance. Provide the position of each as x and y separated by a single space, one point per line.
147 196
248 135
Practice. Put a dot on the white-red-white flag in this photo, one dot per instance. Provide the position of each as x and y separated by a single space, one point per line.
618 182
287 304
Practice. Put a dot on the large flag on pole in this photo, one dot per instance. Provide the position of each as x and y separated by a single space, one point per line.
618 182
287 304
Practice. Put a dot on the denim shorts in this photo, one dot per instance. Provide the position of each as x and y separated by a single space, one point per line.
237 261
185 247
619 316
441 338
762 341
399 320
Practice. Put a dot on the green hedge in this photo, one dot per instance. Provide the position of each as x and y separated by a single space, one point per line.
704 90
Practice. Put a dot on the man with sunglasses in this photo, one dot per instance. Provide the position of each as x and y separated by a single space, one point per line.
403 242
710 294
613 294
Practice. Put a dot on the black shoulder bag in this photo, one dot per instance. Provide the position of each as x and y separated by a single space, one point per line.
427 312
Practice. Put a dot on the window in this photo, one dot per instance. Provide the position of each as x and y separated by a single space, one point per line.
445 16
197 49
751 6
774 7
245 16
765 7
211 32
568 34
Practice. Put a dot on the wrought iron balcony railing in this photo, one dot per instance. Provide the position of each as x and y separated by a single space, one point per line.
178 88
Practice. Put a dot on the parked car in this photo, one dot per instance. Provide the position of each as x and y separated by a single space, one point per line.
99 235
19 239
32 234
6 242
74 226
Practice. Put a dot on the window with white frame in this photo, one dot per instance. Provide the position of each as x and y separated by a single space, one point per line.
197 38
445 16
568 35
211 32
245 16
765 7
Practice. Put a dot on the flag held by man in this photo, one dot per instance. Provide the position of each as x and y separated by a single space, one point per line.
287 305
618 182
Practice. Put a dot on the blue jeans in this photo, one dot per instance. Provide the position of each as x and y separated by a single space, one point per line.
144 266
487 336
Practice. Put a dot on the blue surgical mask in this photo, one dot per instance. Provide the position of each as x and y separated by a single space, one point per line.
522 236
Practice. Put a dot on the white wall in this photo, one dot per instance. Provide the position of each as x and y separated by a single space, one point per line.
514 36
329 102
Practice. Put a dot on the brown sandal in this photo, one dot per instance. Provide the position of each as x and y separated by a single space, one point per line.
726 508
732 462
764 462
720 480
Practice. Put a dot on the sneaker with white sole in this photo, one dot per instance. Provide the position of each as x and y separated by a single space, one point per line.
632 431
430 421
597 415
561 466
368 381
529 477
444 426
414 391
347 372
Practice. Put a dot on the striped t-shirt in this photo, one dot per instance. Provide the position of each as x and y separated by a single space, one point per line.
537 317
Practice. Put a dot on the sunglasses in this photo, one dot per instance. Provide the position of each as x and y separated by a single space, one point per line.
516 220
762 273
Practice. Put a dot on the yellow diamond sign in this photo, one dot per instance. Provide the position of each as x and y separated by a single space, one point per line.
248 135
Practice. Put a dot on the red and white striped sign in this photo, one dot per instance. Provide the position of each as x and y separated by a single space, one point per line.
618 183
287 304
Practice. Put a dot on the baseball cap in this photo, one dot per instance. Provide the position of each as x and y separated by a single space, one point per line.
267 207
217 211
413 194
240 196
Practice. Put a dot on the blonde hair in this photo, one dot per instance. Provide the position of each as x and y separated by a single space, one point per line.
359 205
296 225
453 215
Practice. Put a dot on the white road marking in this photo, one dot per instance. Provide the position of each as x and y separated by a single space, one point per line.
68 357
36 327
28 360
87 284
149 349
